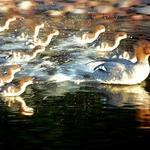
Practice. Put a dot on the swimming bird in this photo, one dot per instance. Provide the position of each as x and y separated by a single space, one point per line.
105 46
36 31
90 37
25 36
9 75
17 90
20 56
48 40
122 71
7 23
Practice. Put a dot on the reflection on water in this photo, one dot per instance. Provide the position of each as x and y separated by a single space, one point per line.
130 97
133 97
121 96
18 103
143 116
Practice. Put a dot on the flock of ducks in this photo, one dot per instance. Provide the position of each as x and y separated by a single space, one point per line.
91 37
105 46
18 56
119 70
122 71
12 92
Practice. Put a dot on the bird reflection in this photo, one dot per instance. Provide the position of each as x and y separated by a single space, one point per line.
119 95
14 101
129 97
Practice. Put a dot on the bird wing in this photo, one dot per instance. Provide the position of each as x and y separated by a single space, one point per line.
111 67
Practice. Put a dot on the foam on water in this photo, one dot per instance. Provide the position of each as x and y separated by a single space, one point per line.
39 70
71 42
13 46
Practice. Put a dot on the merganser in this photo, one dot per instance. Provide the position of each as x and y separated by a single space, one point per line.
121 71
36 31
17 90
9 76
106 47
25 36
19 56
7 23
84 39
49 38
92 36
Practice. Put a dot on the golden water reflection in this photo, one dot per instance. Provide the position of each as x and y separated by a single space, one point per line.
18 104
129 97
116 96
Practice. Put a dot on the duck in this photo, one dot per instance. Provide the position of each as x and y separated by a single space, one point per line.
20 56
105 46
9 75
122 71
90 37
25 37
48 40
7 23
17 90
36 31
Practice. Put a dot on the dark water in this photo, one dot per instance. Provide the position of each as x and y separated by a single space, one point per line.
87 118
70 116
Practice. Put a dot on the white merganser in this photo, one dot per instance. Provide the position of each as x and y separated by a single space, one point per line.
25 36
36 31
49 38
9 76
17 90
7 23
106 47
83 40
20 56
46 43
92 36
121 71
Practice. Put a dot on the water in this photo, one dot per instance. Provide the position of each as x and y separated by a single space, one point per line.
87 118
70 115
